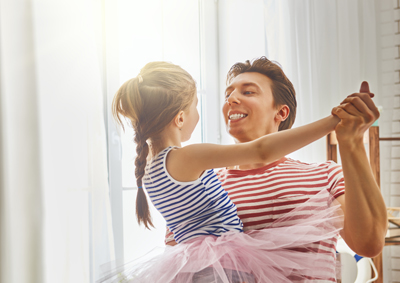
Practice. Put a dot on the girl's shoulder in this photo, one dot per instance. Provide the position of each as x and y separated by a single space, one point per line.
157 162
168 162
178 164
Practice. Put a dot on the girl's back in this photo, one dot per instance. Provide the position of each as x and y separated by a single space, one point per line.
191 209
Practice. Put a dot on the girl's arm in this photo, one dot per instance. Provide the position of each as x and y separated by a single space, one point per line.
187 163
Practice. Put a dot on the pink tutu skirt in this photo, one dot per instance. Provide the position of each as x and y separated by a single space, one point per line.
276 254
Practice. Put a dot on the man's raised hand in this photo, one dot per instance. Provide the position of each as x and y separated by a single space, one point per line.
357 113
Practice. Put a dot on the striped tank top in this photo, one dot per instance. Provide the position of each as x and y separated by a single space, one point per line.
190 209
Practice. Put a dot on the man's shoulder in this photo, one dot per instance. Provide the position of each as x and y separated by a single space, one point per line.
328 163
220 172
328 168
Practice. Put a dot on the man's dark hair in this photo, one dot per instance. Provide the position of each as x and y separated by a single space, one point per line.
282 89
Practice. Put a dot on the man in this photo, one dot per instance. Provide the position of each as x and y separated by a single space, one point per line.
264 102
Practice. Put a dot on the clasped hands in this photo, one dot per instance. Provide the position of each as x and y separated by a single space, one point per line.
357 113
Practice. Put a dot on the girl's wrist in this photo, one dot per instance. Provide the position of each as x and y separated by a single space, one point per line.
332 121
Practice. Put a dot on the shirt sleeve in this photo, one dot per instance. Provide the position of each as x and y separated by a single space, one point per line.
335 179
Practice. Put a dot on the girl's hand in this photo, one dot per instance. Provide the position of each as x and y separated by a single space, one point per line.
357 113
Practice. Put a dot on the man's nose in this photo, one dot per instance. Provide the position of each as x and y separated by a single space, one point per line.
233 98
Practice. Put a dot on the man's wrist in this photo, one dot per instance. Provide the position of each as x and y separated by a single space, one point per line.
351 145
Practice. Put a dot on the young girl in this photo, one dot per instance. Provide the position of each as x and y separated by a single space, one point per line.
161 105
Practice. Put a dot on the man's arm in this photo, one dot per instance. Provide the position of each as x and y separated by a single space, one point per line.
365 216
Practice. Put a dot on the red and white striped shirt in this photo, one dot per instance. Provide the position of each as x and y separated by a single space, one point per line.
265 194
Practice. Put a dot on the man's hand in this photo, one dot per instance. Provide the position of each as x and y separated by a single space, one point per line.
357 113
365 217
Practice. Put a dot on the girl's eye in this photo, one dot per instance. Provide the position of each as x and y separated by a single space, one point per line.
247 92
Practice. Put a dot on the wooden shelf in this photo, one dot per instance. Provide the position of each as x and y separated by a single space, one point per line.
389 139
391 244
393 219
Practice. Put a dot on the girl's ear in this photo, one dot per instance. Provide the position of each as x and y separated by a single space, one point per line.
179 119
282 114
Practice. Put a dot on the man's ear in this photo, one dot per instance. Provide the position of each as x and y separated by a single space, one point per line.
283 113
179 118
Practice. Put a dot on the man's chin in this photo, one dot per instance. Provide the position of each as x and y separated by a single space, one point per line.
239 135
245 135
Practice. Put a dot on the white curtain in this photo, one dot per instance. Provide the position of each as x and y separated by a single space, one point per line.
326 48
21 191
56 222
139 32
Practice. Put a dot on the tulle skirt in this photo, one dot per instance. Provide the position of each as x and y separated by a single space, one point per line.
280 253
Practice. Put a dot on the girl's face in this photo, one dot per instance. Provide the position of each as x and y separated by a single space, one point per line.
192 116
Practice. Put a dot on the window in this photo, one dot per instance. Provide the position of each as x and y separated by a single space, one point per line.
135 35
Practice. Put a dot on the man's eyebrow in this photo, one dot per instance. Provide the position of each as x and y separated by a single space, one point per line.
251 84
228 88
243 85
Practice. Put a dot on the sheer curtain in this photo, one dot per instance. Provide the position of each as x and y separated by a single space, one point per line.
56 220
139 32
21 191
326 48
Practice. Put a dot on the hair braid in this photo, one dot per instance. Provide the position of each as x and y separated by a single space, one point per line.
142 206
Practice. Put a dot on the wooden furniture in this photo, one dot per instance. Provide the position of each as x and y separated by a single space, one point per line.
373 139
392 217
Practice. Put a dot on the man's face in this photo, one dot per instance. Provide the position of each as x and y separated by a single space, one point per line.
249 110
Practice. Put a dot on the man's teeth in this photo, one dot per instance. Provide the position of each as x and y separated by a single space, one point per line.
236 116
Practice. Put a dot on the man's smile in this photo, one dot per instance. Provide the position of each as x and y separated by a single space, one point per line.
234 116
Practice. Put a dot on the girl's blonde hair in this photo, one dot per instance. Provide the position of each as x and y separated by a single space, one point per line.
151 101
